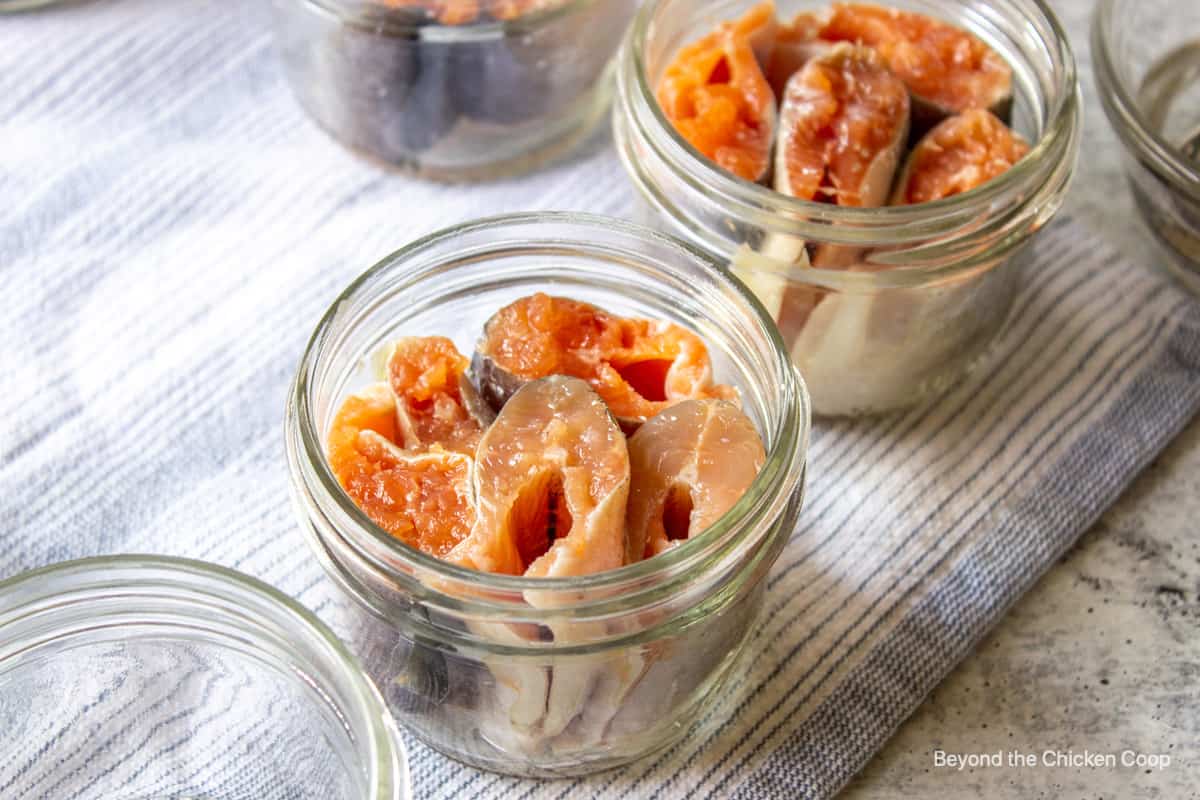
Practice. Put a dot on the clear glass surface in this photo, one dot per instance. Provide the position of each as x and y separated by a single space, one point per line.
452 102
1147 64
30 5
147 678
548 677
925 289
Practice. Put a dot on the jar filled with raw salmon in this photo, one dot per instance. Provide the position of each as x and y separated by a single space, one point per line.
453 90
888 291
576 673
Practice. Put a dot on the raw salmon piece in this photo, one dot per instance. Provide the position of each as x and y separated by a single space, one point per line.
947 69
718 99
551 482
422 499
639 367
436 404
796 43
961 153
688 466
843 124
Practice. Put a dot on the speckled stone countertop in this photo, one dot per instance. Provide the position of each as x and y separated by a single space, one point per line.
1103 655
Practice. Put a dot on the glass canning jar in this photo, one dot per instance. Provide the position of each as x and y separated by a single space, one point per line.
933 283
1147 58
145 678
561 676
448 96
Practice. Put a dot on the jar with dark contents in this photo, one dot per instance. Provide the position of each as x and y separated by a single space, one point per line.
453 89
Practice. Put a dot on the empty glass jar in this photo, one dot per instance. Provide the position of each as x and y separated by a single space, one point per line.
148 678
1147 63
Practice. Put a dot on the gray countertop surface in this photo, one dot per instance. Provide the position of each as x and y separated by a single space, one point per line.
1103 655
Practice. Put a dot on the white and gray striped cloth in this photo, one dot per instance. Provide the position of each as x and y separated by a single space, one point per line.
171 228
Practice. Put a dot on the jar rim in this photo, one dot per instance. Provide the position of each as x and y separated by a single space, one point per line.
31 601
386 19
807 219
1126 117
782 470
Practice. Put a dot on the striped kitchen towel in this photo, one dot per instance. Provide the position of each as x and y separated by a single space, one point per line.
171 227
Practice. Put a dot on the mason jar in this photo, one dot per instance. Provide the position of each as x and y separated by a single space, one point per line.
930 286
451 95
1146 55
557 676
143 677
